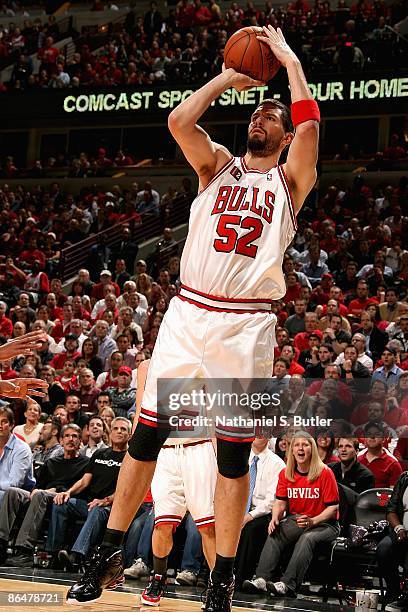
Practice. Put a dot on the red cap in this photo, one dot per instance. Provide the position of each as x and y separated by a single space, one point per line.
125 370
327 275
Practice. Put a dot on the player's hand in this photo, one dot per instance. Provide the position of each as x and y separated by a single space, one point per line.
277 43
24 345
21 388
273 525
241 82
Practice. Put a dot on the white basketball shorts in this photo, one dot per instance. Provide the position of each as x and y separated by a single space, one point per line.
208 337
184 479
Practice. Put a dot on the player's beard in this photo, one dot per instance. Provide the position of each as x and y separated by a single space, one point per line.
262 147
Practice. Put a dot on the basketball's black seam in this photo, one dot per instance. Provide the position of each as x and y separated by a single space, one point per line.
234 43
262 58
246 48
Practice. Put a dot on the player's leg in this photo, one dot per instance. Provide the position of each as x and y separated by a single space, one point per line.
209 548
250 357
169 510
232 488
162 543
169 360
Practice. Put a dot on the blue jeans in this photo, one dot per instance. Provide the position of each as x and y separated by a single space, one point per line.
139 531
90 534
193 551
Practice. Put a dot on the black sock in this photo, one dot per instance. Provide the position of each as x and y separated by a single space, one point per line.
223 569
160 565
113 538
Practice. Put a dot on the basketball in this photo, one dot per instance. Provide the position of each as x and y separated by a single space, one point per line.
248 55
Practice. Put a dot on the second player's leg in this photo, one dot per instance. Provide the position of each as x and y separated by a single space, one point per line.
208 539
162 541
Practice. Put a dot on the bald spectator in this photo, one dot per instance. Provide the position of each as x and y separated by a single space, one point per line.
375 339
362 300
148 200
296 323
301 340
88 391
106 344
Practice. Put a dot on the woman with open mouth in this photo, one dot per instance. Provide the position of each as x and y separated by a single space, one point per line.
304 513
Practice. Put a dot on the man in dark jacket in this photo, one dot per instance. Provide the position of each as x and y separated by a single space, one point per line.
126 249
375 337
392 551
348 471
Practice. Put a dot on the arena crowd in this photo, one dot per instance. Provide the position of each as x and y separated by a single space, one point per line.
341 356
187 44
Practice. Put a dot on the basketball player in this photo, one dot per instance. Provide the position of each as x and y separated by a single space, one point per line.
221 323
184 480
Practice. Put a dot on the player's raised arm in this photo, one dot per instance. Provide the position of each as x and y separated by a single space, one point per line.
204 155
300 166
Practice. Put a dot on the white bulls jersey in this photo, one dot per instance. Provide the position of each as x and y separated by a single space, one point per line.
240 226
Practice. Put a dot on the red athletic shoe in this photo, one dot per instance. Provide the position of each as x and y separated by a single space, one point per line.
153 593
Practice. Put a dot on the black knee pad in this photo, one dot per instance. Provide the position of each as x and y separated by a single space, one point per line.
233 458
146 443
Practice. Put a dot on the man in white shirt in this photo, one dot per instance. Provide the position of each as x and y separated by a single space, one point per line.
95 441
359 342
75 327
264 471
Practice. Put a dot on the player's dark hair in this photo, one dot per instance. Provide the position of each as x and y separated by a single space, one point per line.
285 112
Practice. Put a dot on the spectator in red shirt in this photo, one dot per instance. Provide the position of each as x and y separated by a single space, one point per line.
31 254
395 150
98 290
307 492
62 327
384 466
37 282
88 391
301 340
288 353
56 287
282 338
71 352
48 55
362 300
293 287
6 324
185 14
123 159
202 15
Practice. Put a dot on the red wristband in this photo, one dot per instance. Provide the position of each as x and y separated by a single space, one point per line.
304 110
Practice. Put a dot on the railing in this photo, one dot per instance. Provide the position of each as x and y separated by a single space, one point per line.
75 256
